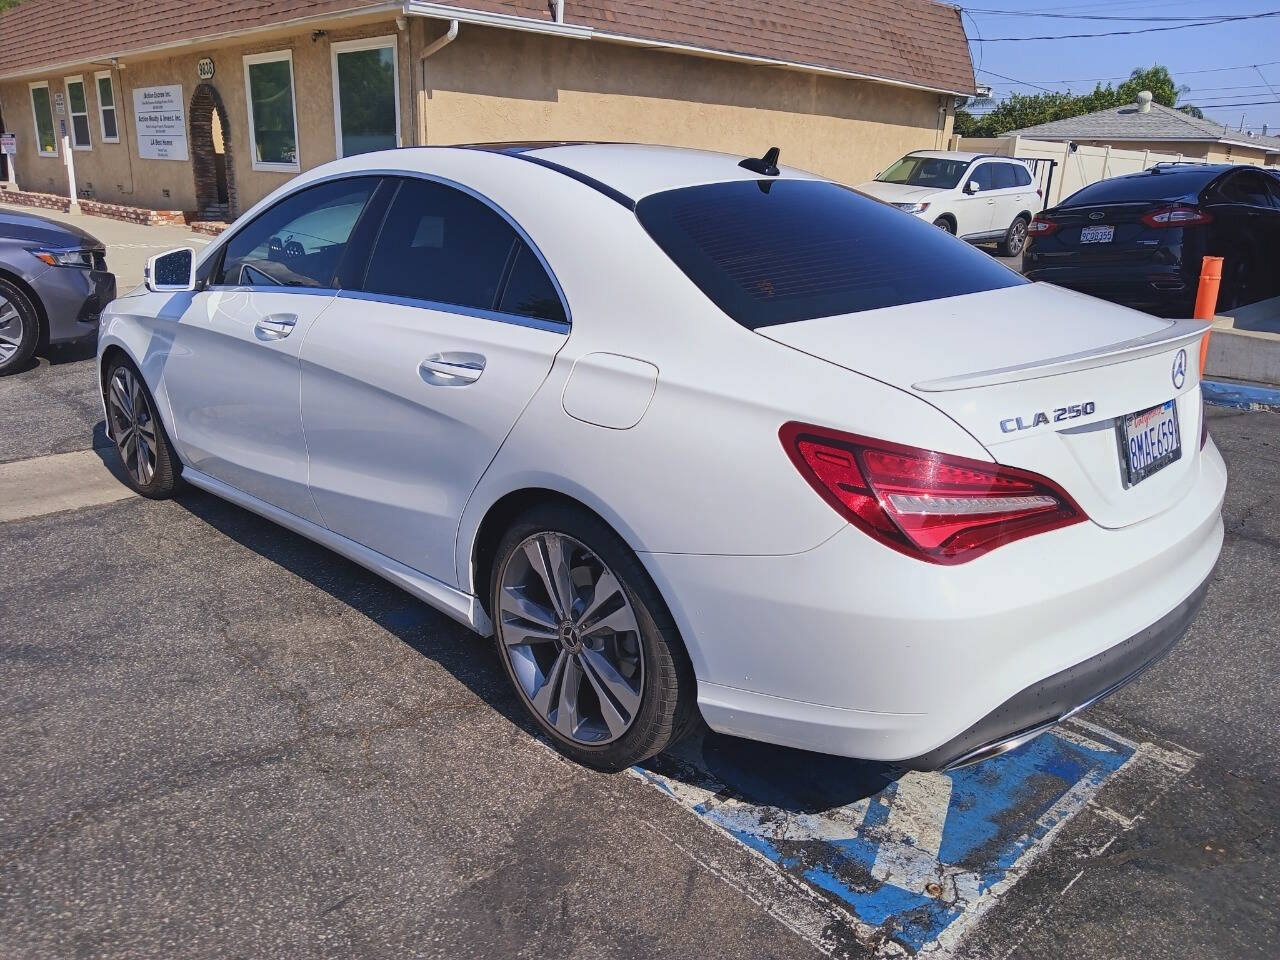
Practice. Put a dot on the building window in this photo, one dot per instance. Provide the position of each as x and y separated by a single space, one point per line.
107 108
273 126
78 107
42 111
366 95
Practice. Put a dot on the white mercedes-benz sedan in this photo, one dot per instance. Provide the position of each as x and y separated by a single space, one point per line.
691 434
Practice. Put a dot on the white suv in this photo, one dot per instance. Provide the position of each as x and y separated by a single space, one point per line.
976 196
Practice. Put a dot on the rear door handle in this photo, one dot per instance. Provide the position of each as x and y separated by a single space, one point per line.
275 326
453 368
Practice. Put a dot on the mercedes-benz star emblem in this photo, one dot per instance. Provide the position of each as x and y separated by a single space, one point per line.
1180 369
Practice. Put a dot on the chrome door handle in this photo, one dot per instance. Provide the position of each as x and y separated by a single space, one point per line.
275 326
453 368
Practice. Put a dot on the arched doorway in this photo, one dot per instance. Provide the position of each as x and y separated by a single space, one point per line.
211 155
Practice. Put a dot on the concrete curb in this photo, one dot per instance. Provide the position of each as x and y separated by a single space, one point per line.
1242 396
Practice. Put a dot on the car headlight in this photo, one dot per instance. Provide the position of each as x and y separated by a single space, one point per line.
82 257
912 207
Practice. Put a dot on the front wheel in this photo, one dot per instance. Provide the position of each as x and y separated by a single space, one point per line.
945 224
19 328
152 468
587 641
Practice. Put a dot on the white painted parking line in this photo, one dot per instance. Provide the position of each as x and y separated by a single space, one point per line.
63 481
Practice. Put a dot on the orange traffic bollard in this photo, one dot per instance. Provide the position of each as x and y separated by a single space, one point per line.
1207 300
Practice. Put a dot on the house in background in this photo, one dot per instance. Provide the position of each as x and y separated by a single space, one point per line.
209 105
1150 126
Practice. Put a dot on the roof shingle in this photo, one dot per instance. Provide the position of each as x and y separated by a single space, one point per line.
917 42
1129 123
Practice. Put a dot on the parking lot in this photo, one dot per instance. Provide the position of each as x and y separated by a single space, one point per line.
224 740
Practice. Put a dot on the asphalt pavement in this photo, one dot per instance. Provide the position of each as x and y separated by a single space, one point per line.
222 740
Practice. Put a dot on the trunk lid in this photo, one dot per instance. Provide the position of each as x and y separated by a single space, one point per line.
994 361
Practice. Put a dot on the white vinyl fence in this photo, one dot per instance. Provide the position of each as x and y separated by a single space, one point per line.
1076 165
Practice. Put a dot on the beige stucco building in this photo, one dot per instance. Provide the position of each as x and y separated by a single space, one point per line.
158 101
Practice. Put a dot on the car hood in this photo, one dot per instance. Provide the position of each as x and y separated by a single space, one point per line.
41 231
897 192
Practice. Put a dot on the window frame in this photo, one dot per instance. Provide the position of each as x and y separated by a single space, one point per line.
98 77
53 118
71 114
388 41
273 56
214 257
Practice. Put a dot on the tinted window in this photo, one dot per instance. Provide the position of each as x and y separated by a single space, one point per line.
529 291
925 172
1003 175
300 241
984 173
1169 183
438 243
769 252
1021 174
1246 187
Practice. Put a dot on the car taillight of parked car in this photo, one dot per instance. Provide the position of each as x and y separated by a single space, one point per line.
932 506
1041 227
1176 216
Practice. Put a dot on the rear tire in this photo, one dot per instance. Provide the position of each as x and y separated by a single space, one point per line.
599 630
19 328
151 467
1015 238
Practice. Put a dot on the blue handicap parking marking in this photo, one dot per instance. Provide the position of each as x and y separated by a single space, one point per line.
908 854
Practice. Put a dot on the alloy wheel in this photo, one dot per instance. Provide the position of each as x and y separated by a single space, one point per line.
571 638
133 425
1017 237
11 329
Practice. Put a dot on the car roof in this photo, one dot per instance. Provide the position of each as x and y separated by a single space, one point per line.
953 154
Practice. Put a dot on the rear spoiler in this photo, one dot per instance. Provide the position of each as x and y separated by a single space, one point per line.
1178 333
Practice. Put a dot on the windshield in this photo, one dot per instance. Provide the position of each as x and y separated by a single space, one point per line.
926 172
774 251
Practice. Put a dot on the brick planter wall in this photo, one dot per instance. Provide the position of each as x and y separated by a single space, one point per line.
210 227
45 201
150 218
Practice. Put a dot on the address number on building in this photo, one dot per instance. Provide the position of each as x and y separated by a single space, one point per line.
204 68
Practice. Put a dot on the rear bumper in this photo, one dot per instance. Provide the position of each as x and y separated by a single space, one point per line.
1165 293
856 650
1041 705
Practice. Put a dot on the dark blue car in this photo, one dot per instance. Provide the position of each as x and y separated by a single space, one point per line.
1138 240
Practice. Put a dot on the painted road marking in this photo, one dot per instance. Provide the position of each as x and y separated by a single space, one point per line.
62 481
912 862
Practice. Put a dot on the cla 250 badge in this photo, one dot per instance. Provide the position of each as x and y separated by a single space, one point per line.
1014 424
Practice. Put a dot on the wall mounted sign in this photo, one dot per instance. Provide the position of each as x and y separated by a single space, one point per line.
8 143
59 103
204 68
160 122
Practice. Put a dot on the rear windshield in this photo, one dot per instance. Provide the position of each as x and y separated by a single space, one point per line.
926 172
773 251
1171 183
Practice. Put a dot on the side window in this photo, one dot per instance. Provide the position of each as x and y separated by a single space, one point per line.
1022 174
529 291
1003 175
440 244
1247 188
984 175
300 241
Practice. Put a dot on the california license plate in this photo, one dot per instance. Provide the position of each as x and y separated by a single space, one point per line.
1101 234
1149 441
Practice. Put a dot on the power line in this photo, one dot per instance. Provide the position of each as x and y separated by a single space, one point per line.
1203 18
1180 73
1128 33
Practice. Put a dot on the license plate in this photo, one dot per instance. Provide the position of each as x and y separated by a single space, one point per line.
1101 234
1149 441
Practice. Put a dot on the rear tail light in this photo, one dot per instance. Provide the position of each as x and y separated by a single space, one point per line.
1176 216
928 505
1040 227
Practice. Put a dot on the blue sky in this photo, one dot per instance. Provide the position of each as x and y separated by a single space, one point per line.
1075 64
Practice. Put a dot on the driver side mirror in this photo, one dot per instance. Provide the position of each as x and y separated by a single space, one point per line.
971 187
171 272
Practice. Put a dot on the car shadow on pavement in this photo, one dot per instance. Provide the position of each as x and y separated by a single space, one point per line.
756 773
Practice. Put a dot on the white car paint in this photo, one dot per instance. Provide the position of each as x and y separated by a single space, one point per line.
979 217
661 414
